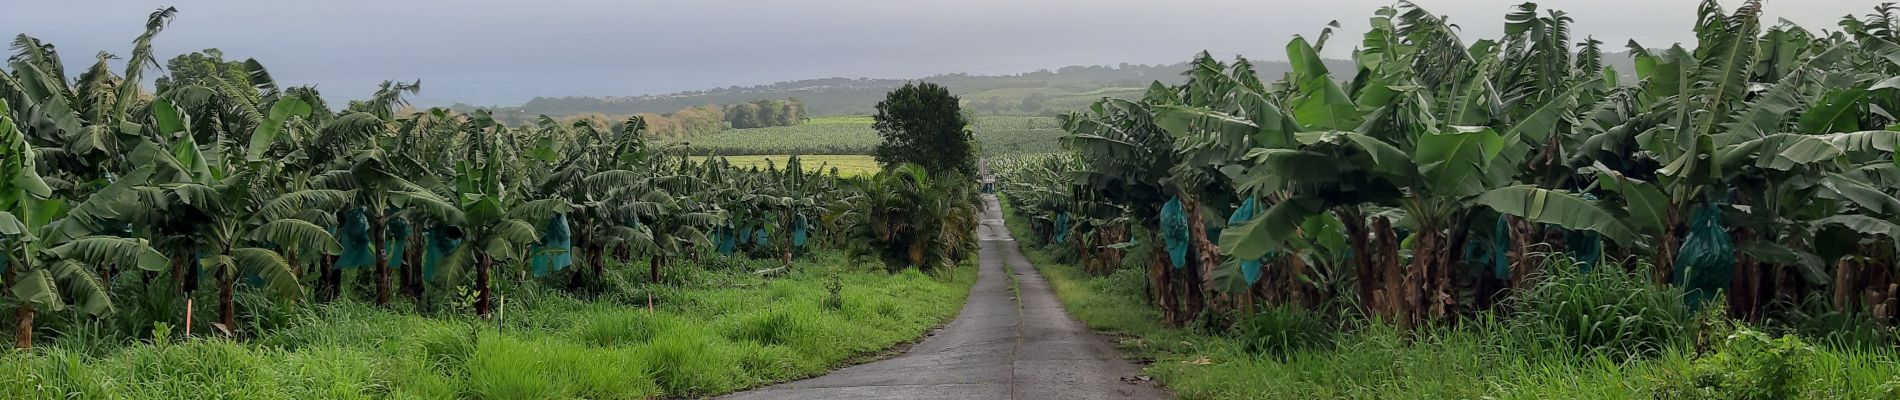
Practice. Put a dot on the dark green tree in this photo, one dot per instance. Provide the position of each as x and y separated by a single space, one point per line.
923 124
744 115
203 67
769 111
796 108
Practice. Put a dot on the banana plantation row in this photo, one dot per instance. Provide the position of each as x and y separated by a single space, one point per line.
1759 165
110 193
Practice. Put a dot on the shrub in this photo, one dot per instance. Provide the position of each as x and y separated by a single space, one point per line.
1747 364
1280 331
1817 319
686 362
509 368
1607 311
446 347
620 327
780 325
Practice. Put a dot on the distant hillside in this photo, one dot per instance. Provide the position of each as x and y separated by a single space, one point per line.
1042 92
1062 89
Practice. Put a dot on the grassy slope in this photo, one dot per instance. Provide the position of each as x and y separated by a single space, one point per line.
725 331
1378 363
999 135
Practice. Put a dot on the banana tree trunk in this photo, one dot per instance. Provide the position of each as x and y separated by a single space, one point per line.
184 271
1744 298
1158 278
1082 255
378 238
593 254
227 304
1518 253
1430 272
1845 271
624 253
785 225
1363 258
654 266
412 264
1204 251
1295 289
1671 240
329 279
23 337
482 287
1392 295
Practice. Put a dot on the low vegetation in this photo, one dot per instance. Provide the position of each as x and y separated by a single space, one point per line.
713 329
842 135
1659 350
848 165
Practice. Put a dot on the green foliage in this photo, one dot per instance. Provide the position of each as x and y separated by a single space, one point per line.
765 113
914 218
1281 331
1605 312
690 122
1746 364
625 327
203 67
923 124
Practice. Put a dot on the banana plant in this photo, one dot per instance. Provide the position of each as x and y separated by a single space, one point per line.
224 217
41 273
914 219
493 228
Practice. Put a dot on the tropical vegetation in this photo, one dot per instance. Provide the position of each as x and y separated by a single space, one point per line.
1443 182
228 223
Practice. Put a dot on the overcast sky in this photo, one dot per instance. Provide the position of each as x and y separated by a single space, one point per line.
494 52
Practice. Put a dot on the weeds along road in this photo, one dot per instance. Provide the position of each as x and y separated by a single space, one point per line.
1001 346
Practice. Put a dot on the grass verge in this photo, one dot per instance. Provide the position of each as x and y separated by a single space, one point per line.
727 330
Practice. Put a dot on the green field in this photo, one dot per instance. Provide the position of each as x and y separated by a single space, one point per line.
848 165
998 135
1047 99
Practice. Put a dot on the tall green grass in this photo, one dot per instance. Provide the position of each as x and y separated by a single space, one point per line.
727 331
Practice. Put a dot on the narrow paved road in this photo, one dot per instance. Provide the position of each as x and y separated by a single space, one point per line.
999 347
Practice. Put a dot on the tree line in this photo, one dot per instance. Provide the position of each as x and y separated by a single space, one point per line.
765 113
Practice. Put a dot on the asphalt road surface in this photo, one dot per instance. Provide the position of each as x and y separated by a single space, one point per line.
999 347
